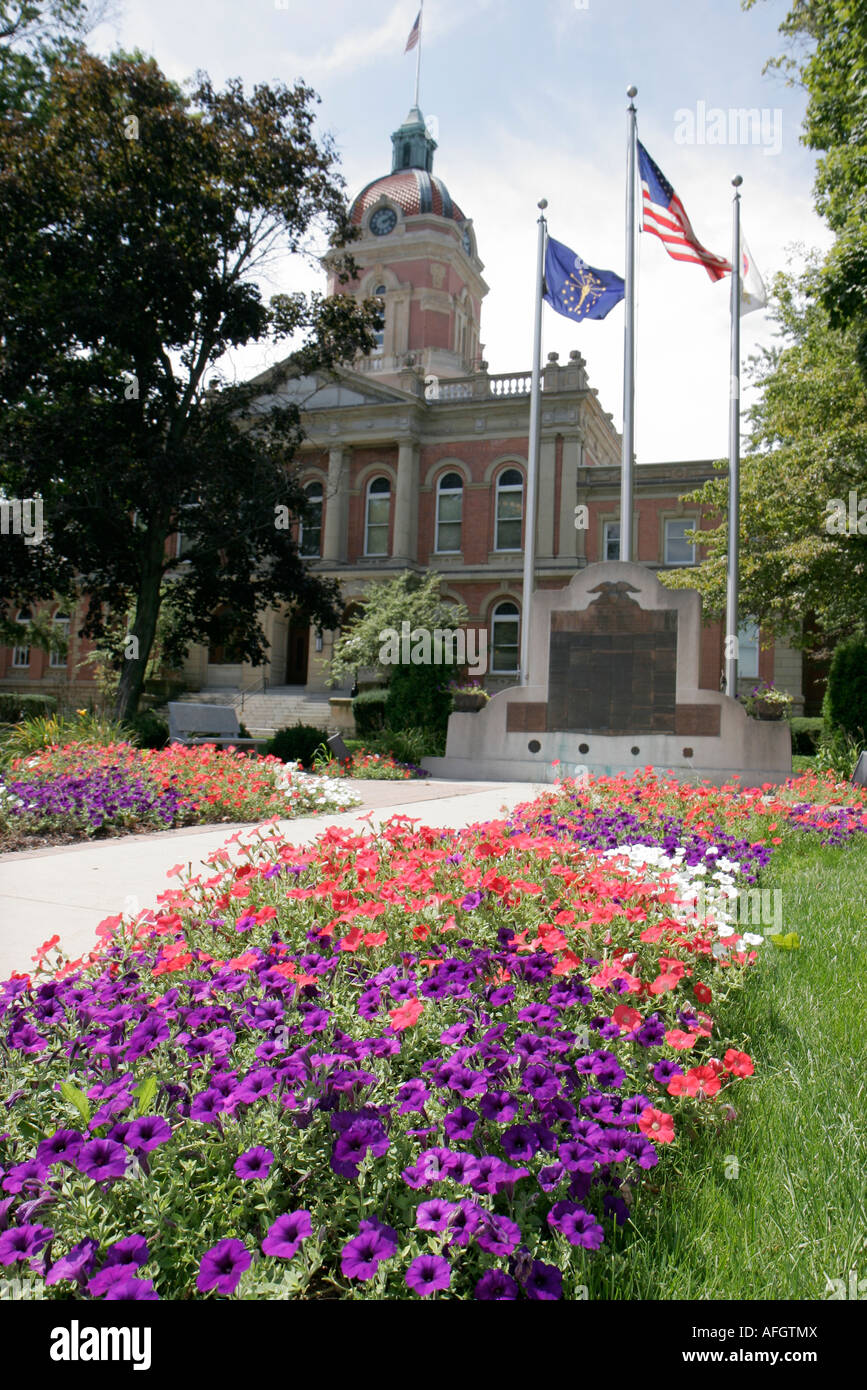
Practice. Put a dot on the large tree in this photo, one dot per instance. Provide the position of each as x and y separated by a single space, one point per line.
800 557
134 219
826 54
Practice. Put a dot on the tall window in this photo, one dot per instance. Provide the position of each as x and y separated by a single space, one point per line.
611 540
379 335
376 520
748 651
678 550
60 623
310 531
510 505
21 655
450 496
504 638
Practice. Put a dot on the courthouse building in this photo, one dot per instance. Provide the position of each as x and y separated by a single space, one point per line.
416 458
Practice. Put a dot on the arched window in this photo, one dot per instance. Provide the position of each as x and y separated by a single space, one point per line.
510 506
310 531
21 655
60 623
450 496
379 293
376 518
505 638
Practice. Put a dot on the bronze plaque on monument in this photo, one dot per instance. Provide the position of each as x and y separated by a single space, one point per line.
613 667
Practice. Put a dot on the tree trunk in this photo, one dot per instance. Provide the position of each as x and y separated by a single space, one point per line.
137 652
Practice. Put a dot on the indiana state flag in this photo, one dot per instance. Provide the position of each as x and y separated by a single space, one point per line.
577 289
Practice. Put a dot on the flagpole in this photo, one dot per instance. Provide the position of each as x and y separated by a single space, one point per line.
731 647
418 54
628 447
533 454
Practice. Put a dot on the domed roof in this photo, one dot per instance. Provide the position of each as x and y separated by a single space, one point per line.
414 191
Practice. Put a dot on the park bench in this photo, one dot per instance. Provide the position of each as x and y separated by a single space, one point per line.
191 723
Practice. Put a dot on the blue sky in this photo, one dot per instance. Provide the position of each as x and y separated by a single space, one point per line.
529 100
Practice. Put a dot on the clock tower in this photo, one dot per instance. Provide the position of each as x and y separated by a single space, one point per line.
417 253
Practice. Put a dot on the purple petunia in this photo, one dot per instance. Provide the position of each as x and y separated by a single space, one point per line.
222 1266
427 1274
576 1224
60 1147
76 1264
23 1242
286 1234
544 1282
496 1285
147 1132
361 1257
129 1289
255 1163
435 1214
101 1159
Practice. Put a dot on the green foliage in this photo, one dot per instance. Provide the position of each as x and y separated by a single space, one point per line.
805 736
416 700
845 704
15 707
368 710
31 735
407 745
147 729
388 603
837 752
118 385
808 446
297 744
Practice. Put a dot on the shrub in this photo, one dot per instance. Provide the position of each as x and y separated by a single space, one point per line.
405 745
148 730
845 704
368 709
805 736
32 735
297 744
15 707
417 700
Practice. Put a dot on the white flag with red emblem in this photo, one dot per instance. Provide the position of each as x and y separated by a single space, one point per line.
754 295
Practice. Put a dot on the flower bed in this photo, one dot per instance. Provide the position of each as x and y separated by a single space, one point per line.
382 767
417 1063
78 791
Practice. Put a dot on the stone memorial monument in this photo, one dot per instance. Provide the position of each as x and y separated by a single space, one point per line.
614 686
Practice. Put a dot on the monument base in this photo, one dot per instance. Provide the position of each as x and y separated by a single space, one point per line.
614 660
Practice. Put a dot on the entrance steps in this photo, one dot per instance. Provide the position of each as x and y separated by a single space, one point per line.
267 711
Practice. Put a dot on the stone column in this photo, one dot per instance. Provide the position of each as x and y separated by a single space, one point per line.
336 508
545 521
405 543
573 543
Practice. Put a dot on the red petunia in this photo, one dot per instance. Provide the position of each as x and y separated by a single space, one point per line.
656 1125
407 1015
738 1063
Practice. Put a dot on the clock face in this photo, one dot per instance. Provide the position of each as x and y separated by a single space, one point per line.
467 240
383 221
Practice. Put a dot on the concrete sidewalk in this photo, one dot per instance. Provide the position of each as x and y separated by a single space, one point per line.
69 890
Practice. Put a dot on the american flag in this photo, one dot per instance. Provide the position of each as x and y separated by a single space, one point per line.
665 216
414 33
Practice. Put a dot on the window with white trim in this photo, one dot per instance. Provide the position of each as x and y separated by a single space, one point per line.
611 540
505 638
21 655
678 550
450 500
60 623
510 509
376 517
748 651
310 531
379 334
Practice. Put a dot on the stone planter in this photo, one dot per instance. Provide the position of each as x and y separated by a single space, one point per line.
342 718
469 701
764 710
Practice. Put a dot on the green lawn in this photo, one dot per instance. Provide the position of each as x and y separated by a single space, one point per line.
796 1213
